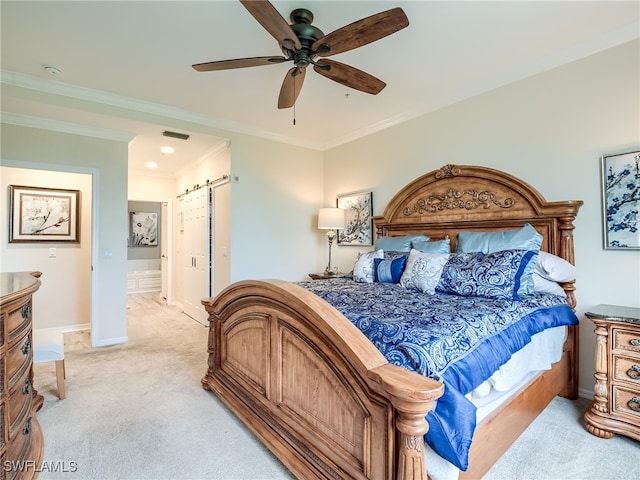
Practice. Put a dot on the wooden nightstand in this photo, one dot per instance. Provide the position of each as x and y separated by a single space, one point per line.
616 405
322 276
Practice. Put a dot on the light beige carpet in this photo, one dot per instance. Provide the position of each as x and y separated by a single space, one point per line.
138 411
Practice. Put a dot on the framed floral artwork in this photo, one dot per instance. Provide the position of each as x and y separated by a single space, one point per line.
40 214
358 219
621 200
144 229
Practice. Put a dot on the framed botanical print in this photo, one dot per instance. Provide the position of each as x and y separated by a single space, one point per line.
144 229
39 214
621 200
358 219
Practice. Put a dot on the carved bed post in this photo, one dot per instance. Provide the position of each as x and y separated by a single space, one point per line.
411 402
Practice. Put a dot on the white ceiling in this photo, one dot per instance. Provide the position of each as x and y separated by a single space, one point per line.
139 54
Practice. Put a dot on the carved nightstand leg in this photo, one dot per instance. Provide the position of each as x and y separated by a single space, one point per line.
600 403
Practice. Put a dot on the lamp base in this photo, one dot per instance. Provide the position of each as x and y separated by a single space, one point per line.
331 272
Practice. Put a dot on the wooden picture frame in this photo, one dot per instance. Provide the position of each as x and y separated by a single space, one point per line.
358 219
41 214
621 200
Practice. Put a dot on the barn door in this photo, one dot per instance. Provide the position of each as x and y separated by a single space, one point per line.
198 245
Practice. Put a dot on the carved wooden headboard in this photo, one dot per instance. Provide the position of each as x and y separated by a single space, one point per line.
464 197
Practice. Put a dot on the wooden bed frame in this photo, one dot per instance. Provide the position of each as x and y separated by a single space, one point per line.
323 399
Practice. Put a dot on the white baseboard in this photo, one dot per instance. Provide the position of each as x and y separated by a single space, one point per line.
585 393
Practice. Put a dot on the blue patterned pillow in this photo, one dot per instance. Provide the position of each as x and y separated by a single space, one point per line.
423 271
389 271
363 270
495 275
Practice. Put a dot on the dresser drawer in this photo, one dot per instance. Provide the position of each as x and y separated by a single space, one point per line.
19 359
19 319
627 401
626 369
19 403
626 340
2 424
20 448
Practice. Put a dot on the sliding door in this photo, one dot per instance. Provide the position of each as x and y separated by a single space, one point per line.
198 244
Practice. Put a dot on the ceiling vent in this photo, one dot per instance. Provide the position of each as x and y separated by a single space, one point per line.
180 136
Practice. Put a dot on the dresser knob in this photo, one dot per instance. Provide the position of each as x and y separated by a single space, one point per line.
26 347
27 386
27 428
634 404
635 342
634 372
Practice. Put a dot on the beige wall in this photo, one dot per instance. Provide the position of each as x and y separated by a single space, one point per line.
64 298
106 161
549 130
274 208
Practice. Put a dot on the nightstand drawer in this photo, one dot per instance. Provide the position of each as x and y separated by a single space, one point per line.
626 369
626 401
626 340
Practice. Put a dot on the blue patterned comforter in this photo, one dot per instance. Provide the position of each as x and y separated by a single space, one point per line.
460 341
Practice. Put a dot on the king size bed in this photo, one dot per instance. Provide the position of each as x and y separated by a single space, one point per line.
332 376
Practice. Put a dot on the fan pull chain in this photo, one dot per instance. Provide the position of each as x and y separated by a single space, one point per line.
294 102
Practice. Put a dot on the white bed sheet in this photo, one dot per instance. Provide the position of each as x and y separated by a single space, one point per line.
544 350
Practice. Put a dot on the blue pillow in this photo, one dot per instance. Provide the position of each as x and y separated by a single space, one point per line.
399 244
495 275
389 271
436 246
525 238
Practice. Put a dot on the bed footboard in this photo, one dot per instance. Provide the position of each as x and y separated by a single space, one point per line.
312 387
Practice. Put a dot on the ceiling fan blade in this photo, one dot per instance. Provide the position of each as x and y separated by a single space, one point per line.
362 32
291 87
350 76
237 63
272 22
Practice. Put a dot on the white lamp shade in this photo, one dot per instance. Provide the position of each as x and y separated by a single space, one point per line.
331 218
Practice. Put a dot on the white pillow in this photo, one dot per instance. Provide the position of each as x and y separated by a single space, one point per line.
423 271
554 268
364 271
542 285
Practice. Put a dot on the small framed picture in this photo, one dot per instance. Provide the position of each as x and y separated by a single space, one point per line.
621 200
358 219
39 214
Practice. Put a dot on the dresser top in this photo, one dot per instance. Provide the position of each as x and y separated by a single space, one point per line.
11 283
616 313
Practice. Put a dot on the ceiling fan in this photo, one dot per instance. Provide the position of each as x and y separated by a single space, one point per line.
302 43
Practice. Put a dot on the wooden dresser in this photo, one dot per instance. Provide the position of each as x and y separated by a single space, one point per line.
21 439
616 404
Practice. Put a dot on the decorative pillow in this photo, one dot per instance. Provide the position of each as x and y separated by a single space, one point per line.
555 268
399 244
495 275
363 271
388 271
436 246
525 238
423 271
542 285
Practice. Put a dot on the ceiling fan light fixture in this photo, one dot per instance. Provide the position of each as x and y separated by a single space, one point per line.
179 136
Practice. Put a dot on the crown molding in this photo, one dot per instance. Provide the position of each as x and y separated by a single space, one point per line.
55 87
64 127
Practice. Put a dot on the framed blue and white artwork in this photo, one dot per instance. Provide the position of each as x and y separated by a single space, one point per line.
621 200
358 219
